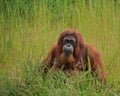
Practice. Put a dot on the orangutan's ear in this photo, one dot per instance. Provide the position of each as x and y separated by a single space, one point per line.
80 47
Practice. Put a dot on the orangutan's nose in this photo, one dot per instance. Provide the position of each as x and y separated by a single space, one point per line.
67 49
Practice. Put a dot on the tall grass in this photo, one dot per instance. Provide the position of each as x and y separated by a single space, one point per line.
28 28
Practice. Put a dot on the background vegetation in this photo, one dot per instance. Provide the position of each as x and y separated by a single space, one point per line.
28 28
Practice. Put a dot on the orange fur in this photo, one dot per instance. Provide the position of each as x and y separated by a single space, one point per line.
79 60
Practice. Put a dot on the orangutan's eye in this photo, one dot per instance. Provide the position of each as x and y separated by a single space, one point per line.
71 41
66 41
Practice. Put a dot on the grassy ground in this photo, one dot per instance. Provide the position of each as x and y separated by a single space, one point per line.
28 28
